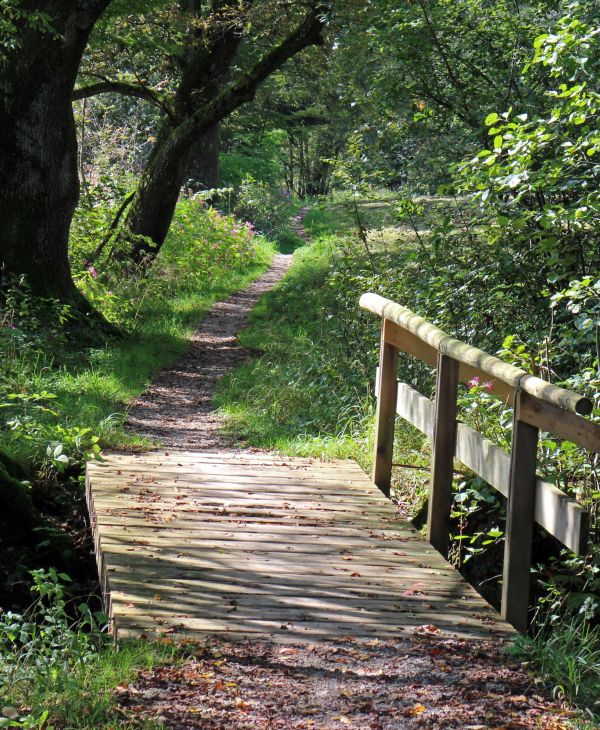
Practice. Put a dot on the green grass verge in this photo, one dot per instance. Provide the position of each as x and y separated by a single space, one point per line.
294 397
93 386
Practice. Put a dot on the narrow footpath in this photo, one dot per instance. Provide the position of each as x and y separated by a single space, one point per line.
425 679
176 409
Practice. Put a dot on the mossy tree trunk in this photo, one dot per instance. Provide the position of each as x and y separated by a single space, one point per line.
39 185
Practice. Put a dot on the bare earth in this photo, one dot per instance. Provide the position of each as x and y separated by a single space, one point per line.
423 680
176 409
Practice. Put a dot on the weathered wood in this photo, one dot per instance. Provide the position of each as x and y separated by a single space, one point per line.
385 417
519 524
408 342
442 461
416 409
555 511
473 356
561 423
411 344
280 569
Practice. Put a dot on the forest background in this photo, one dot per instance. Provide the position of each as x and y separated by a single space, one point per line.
153 155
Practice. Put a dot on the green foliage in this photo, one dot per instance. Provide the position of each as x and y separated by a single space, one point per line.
269 210
45 647
568 659
13 19
540 180
59 400
304 394
58 667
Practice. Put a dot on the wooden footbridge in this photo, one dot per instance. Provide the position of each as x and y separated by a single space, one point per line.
245 544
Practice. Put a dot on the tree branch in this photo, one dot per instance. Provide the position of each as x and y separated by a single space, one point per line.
244 89
124 88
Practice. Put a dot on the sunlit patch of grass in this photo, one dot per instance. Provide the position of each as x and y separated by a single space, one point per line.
94 386
566 656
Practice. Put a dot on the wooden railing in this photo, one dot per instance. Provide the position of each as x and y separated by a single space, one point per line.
538 406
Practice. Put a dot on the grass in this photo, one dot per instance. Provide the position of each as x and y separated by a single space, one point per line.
94 385
85 696
82 395
309 392
567 658
89 702
293 397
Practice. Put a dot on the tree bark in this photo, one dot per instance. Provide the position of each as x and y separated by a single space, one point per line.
203 168
205 98
39 185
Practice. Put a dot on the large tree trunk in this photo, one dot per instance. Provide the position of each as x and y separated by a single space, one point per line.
204 98
203 167
151 212
39 185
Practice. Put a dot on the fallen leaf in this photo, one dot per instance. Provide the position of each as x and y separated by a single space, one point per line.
428 629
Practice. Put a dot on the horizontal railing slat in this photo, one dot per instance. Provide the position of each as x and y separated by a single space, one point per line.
556 512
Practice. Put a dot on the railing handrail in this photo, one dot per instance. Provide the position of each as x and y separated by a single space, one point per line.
473 356
537 405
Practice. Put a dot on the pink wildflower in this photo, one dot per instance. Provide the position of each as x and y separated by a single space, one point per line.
474 382
488 386
93 272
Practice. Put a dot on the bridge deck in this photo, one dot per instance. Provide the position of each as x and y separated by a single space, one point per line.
258 545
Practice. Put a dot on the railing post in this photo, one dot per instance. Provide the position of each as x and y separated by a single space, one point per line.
385 419
442 462
519 521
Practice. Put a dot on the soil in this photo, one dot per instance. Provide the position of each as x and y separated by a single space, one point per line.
421 681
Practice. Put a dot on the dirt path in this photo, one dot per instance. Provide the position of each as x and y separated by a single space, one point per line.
424 679
176 409
421 682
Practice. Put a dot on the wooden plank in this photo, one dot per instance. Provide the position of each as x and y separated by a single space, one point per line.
519 524
409 343
416 409
130 627
272 593
442 462
288 560
555 511
133 563
385 417
483 457
558 421
225 489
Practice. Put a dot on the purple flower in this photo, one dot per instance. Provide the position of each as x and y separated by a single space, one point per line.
474 382
93 272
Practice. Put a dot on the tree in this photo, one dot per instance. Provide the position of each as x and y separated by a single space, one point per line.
217 73
423 75
39 185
